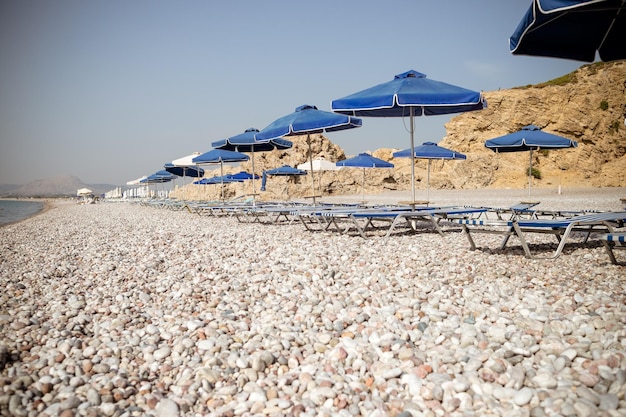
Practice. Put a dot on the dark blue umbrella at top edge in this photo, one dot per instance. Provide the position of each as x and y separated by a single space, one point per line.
572 29
529 138
307 120
410 94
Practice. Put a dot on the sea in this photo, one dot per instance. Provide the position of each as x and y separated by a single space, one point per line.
15 210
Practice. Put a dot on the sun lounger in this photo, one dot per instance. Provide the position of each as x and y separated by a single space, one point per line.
612 242
561 228
430 216
490 226
338 216
522 209
276 213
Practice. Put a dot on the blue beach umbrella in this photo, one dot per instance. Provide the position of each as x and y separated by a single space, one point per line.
529 138
158 177
243 176
185 165
184 171
572 29
220 156
220 179
180 171
285 170
203 181
429 151
410 94
307 120
364 160
245 142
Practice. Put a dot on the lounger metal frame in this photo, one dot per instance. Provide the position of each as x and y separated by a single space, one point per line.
613 242
562 229
412 218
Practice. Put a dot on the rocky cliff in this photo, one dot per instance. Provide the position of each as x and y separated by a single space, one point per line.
587 105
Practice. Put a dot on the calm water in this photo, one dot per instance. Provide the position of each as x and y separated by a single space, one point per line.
15 210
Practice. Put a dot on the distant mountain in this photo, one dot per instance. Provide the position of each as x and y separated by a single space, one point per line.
60 186
6 189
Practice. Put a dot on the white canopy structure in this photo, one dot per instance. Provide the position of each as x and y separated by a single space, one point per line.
137 181
319 164
186 161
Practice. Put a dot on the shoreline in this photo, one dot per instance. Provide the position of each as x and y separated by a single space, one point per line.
47 204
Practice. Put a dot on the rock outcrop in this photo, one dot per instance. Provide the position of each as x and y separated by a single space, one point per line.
587 105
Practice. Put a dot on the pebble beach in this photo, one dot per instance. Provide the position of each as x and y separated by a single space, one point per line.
117 309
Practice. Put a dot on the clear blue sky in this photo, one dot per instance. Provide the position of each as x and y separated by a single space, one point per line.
111 90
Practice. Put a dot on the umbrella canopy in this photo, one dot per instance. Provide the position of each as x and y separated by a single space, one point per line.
184 171
184 167
245 142
364 160
285 170
158 177
83 192
220 156
319 165
137 181
410 94
572 29
243 175
186 161
429 151
307 120
217 180
529 138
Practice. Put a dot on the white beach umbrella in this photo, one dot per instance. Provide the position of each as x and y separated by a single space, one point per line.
186 161
137 181
319 164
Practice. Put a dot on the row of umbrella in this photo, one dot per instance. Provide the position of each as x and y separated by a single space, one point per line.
549 28
409 93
